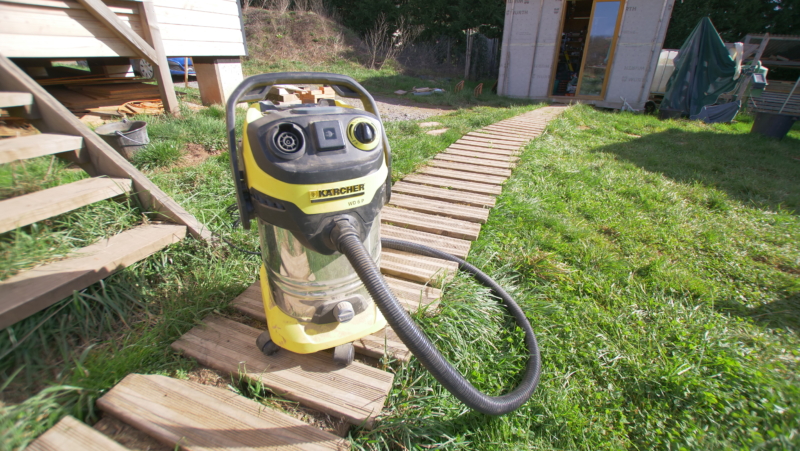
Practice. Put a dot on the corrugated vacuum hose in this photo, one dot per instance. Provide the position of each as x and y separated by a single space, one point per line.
345 237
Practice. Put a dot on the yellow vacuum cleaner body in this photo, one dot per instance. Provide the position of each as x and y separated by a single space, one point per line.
305 165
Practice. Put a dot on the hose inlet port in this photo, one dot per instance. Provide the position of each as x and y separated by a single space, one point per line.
288 139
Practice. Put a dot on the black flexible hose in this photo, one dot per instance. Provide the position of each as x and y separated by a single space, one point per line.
346 238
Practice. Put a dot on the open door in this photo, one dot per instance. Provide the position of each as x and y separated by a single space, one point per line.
589 30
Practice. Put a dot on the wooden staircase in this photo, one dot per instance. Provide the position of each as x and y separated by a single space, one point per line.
64 136
191 416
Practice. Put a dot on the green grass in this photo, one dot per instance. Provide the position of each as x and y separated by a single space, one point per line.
657 261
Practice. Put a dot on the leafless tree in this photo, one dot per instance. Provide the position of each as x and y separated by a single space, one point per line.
384 44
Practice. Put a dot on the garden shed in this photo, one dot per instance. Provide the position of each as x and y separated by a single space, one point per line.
603 52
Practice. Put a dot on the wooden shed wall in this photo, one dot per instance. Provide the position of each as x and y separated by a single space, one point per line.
64 29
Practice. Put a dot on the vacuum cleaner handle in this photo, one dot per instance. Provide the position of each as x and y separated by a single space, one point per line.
248 91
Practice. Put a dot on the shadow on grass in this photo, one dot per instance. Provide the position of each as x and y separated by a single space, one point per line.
758 171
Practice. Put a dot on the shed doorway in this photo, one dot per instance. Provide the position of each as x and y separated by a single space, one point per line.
589 30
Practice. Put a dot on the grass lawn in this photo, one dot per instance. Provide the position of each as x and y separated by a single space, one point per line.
658 263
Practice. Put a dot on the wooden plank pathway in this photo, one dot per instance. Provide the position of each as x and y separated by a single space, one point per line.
442 205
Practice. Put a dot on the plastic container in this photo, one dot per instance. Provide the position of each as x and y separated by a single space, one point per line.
773 125
126 137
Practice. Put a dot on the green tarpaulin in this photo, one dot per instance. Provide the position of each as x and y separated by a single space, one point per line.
704 69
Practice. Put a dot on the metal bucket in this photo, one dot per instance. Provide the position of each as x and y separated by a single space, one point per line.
774 125
126 137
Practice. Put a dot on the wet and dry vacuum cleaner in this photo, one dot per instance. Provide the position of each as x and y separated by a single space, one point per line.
315 177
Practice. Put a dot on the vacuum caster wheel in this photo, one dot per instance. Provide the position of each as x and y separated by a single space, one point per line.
266 345
343 354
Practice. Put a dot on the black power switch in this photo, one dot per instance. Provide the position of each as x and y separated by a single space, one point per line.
329 135
365 133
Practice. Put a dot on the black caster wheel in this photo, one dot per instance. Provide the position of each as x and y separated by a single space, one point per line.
343 354
266 345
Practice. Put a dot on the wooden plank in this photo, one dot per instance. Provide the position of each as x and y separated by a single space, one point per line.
470 141
104 159
105 16
472 187
502 138
483 149
23 210
15 99
474 168
381 344
437 225
31 291
521 130
480 161
477 200
197 417
417 268
355 392
33 146
71 434
477 154
461 175
442 208
152 35
454 246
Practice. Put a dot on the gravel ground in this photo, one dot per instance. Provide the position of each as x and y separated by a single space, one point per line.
400 109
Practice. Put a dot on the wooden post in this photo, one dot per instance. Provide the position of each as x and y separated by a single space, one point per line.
153 35
469 53
217 78
186 72
149 48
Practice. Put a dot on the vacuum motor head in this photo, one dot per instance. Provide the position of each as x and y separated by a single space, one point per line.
322 162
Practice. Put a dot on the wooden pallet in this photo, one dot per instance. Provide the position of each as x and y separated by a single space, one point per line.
198 417
423 222
462 185
441 208
71 434
453 195
355 392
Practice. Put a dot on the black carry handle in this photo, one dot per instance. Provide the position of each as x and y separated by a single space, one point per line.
257 87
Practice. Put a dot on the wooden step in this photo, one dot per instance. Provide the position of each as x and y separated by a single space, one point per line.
430 192
438 225
24 147
495 161
23 210
453 246
15 99
197 417
461 175
411 295
471 187
488 143
417 268
356 392
71 434
515 131
474 168
483 149
495 137
384 343
478 154
440 208
31 291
